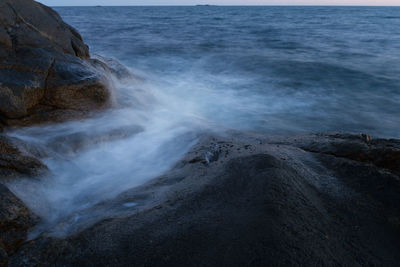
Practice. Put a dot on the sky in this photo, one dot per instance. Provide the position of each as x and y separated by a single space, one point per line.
218 2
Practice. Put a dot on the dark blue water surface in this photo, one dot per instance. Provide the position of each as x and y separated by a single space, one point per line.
272 69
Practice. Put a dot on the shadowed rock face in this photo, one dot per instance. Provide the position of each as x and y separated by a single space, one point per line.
14 163
28 24
44 65
15 218
247 201
15 221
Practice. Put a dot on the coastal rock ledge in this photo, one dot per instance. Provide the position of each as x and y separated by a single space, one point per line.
46 73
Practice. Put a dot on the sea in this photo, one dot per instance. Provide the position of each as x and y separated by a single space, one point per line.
273 70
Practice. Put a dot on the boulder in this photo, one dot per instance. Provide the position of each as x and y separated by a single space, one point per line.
44 65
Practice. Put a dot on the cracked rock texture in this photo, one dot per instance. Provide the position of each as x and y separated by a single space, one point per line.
45 68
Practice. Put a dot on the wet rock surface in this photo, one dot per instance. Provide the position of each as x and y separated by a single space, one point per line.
263 201
46 73
15 164
15 218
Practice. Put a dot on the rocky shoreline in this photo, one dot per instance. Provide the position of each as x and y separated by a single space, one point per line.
236 199
46 70
246 199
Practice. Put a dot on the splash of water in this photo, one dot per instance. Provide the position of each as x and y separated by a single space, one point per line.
97 159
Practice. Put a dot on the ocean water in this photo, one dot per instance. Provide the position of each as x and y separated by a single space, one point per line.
270 69
274 70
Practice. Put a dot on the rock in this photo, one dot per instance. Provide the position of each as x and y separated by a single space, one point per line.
264 201
3 256
15 218
32 25
15 221
71 86
42 114
45 65
6 146
370 166
15 164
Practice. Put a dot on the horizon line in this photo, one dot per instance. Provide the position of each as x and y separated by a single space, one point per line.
205 5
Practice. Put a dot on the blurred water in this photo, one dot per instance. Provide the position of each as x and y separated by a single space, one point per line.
276 70
272 69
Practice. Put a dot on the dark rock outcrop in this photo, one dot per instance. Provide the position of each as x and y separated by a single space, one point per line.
15 218
15 221
248 201
362 148
46 75
28 24
14 163
45 70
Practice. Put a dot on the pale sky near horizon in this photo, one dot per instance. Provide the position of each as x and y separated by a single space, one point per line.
218 2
